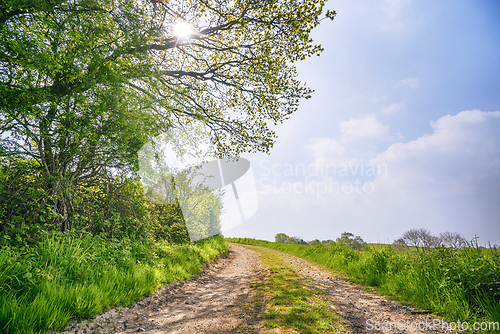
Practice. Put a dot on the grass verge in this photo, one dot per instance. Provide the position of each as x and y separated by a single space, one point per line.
294 305
65 276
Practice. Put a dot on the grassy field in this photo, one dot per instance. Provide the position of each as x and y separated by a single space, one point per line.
459 284
65 276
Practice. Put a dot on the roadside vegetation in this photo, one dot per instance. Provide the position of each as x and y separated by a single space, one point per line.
65 276
112 248
457 283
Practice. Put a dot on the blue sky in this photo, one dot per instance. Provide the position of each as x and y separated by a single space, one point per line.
411 86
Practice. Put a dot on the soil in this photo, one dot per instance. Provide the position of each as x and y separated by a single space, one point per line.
221 300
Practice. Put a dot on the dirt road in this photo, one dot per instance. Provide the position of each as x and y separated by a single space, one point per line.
222 300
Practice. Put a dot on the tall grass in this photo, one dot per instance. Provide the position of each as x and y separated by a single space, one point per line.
64 276
459 284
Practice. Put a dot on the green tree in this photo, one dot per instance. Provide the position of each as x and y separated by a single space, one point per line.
84 84
349 239
315 242
282 238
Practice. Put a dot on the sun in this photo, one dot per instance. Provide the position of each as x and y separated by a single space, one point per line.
183 30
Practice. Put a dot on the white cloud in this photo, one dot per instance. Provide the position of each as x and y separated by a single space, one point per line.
393 108
409 82
359 139
368 127
328 151
395 16
325 147
393 8
464 135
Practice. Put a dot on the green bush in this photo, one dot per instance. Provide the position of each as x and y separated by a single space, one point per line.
112 206
25 207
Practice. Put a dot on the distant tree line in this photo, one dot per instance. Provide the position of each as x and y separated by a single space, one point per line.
418 238
345 239
422 238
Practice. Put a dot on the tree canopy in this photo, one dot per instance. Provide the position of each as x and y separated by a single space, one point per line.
85 83
69 66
